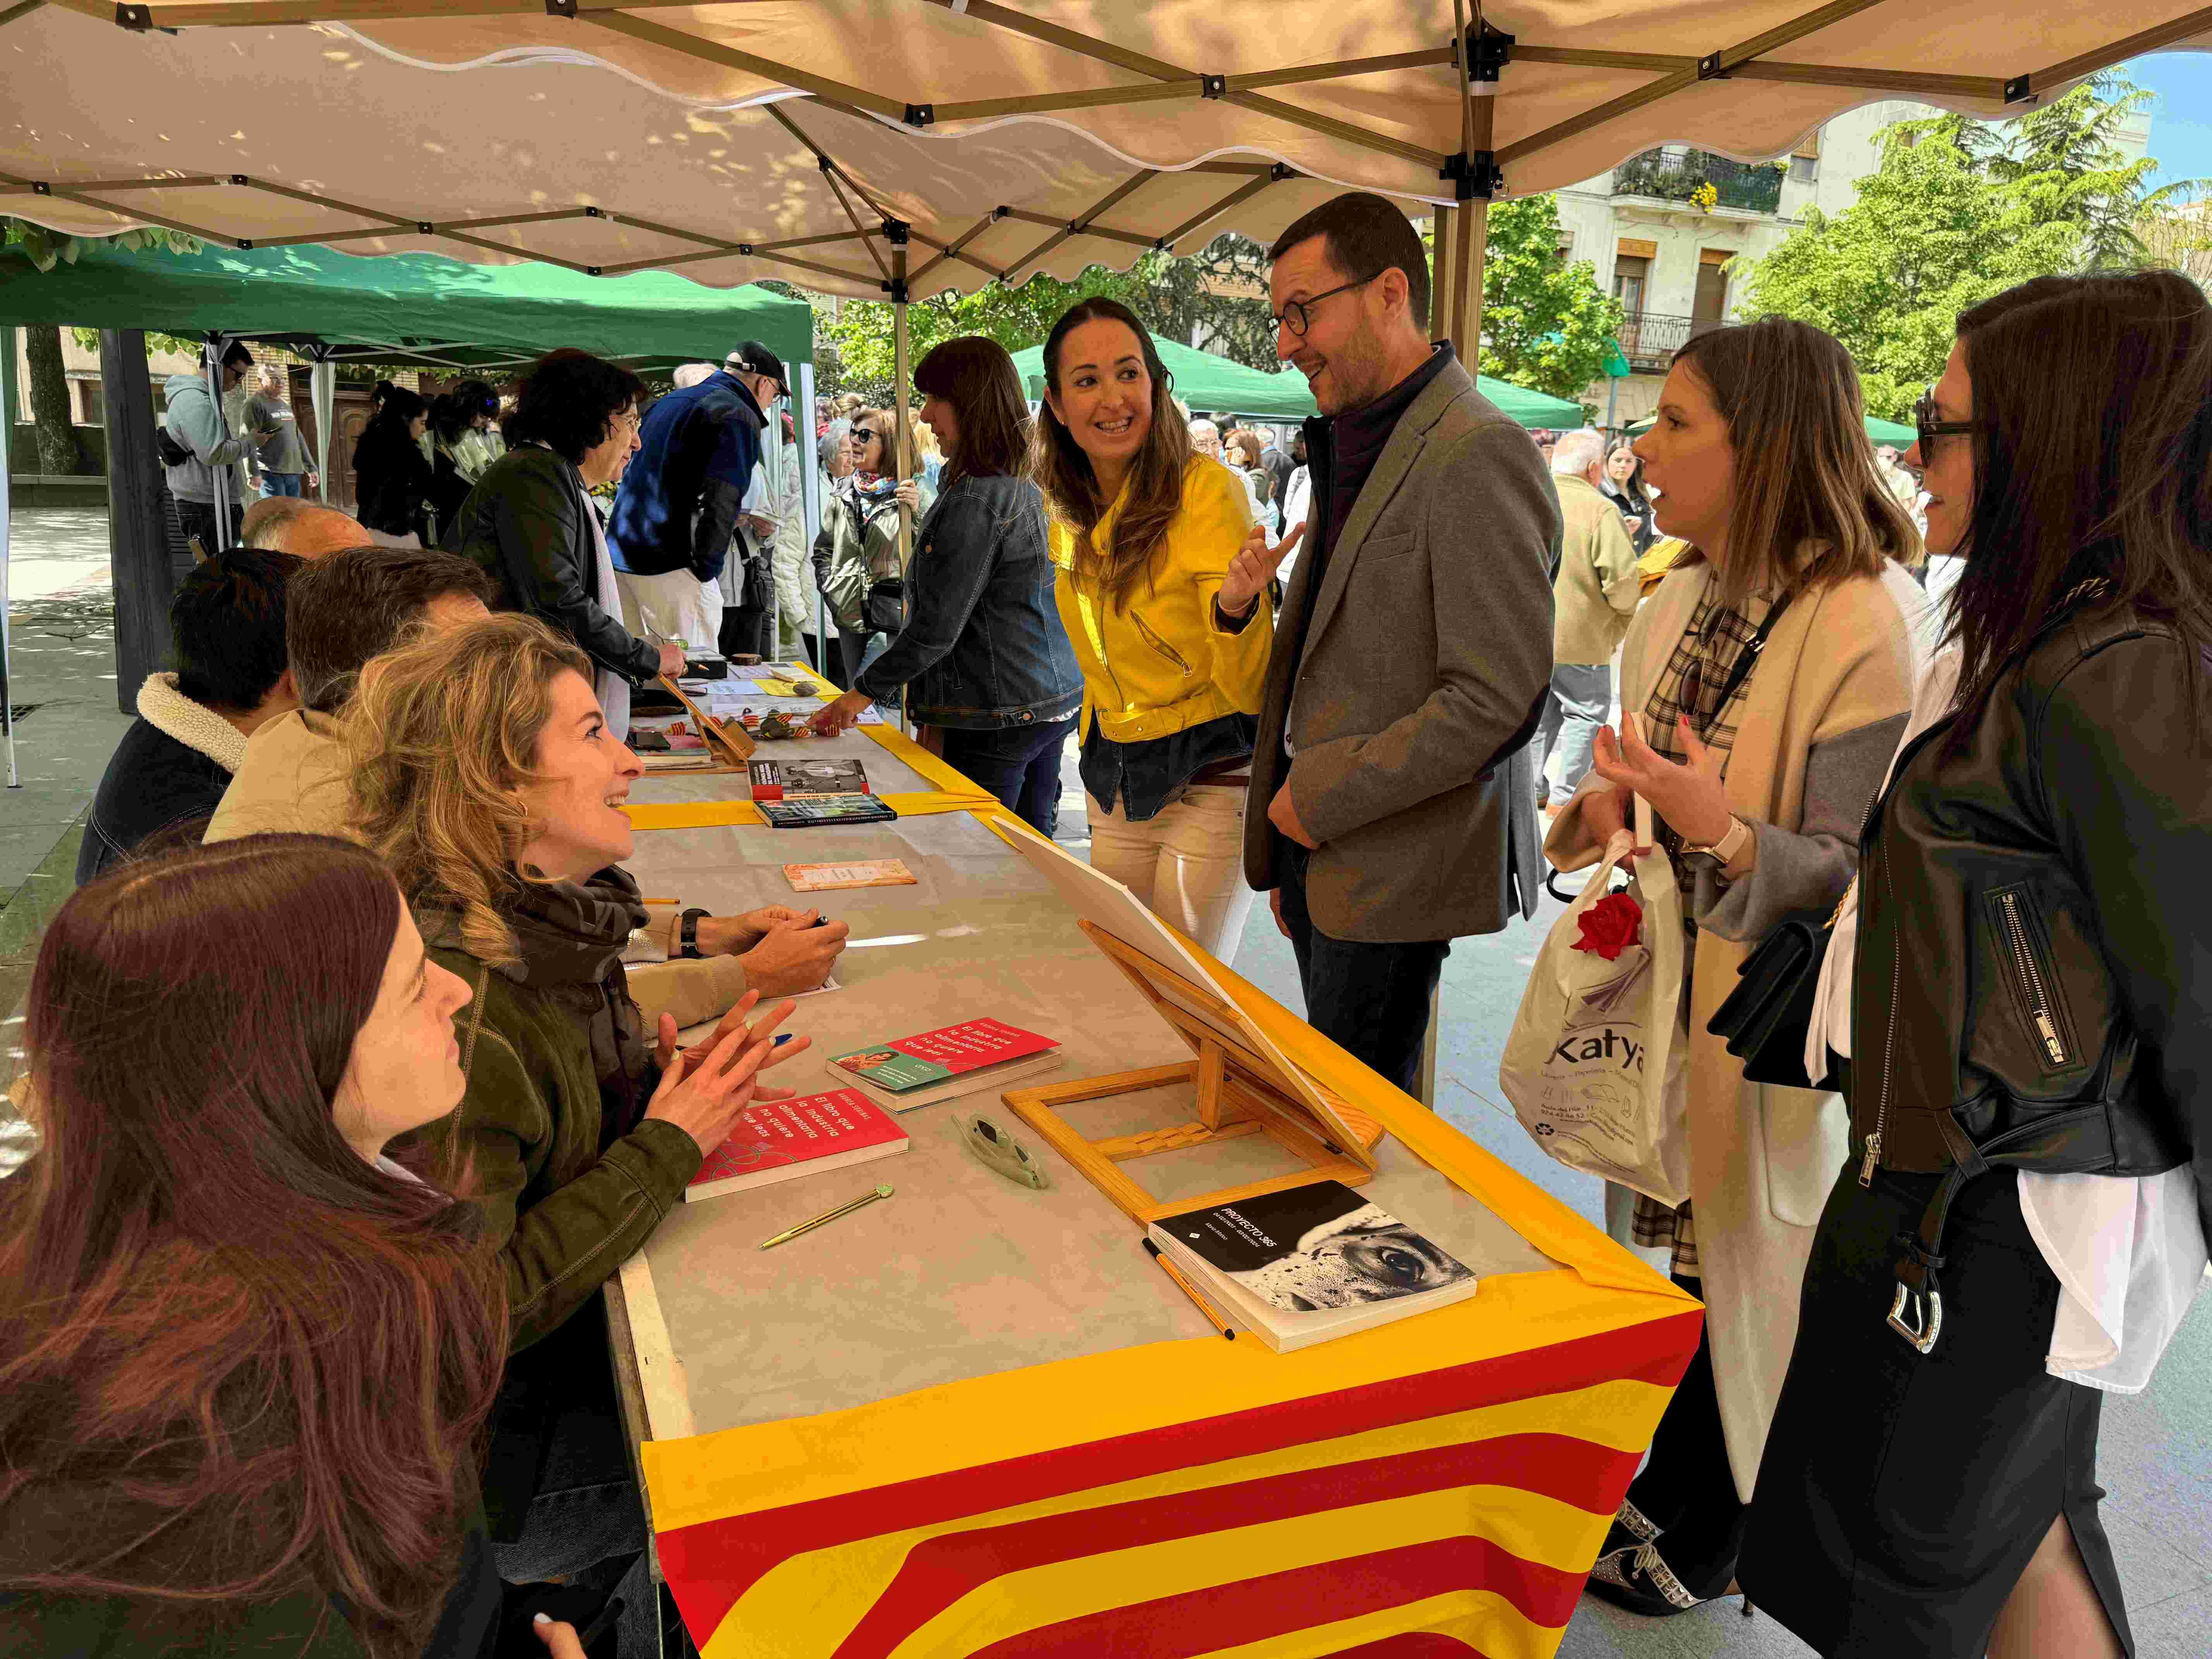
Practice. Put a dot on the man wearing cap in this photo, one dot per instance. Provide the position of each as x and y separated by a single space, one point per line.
678 504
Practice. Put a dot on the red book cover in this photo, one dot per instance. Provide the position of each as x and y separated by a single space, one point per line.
913 1062
782 1140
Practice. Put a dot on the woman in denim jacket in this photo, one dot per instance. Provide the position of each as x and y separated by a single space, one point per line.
983 650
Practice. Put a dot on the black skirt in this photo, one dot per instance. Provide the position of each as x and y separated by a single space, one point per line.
1901 1495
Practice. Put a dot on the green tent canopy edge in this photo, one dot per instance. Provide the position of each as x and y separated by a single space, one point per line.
403 309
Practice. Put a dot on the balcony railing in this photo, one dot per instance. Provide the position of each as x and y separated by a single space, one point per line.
1756 187
1650 341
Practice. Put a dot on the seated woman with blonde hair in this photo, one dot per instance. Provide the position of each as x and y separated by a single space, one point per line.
487 778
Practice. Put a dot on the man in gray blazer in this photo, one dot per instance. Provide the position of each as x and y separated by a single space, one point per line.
1391 801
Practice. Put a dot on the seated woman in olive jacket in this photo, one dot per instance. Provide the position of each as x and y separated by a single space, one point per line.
531 523
487 777
244 1350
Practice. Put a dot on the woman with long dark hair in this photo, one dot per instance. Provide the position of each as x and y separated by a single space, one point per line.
1166 616
245 1340
393 477
531 524
2021 1219
1620 483
1772 670
453 421
983 648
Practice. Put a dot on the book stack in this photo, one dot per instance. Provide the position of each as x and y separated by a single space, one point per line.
1310 1263
802 794
908 1072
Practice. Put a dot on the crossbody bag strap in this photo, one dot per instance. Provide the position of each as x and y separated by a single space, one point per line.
1747 659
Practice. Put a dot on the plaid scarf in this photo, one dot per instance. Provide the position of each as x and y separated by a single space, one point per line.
1692 683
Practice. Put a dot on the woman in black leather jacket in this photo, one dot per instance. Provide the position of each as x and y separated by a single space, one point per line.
2027 1003
983 649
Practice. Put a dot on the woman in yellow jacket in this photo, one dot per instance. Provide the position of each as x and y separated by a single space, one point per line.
1173 642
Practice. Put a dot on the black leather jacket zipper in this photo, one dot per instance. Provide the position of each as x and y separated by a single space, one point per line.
2042 1015
1872 1158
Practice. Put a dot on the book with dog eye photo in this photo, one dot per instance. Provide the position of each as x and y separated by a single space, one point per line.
904 1073
782 1140
1312 1262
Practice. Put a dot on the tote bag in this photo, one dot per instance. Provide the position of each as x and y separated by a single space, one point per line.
1595 1064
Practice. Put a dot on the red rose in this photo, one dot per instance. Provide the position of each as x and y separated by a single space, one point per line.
1610 925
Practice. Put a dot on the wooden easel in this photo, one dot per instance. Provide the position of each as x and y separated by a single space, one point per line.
1241 1092
726 739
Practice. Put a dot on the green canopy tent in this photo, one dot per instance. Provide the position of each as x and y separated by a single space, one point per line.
1205 381
1879 430
414 309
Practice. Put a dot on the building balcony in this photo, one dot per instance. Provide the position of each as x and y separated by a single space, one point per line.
1749 187
1650 340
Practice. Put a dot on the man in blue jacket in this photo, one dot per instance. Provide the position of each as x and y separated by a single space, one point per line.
678 504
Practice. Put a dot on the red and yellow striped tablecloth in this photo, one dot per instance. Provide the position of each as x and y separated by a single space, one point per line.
1430 1489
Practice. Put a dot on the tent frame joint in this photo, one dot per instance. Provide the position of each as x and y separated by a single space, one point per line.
139 19
920 117
1490 49
896 232
1214 86
896 289
561 9
1475 175
1711 68
2019 90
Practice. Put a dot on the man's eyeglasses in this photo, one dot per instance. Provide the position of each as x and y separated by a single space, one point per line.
1928 429
1297 315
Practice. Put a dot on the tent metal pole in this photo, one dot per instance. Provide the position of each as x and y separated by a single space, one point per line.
215 347
1473 230
7 663
1443 292
323 393
901 395
809 501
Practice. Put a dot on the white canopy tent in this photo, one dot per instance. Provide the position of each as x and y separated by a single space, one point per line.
899 147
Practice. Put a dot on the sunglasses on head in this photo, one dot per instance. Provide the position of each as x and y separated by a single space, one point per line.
1927 429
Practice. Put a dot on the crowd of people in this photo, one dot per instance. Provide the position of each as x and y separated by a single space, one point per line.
294 1296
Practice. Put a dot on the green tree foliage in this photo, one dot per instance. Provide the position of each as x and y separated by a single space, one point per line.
1545 324
58 451
1957 211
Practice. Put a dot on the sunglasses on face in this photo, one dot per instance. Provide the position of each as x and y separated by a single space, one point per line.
1928 429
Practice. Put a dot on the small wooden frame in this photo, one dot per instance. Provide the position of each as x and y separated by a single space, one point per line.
1240 1091
727 738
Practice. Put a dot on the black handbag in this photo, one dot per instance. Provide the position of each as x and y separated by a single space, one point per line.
883 610
1764 1019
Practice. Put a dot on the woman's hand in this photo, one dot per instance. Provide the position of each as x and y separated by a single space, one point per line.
909 495
841 715
1255 567
704 1089
560 1639
1691 798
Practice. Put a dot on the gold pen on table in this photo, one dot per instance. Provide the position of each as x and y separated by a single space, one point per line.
1183 1284
790 1233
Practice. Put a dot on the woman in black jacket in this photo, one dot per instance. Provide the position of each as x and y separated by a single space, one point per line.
531 524
393 477
983 648
2028 1018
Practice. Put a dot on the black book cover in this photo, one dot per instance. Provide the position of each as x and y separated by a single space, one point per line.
1313 1246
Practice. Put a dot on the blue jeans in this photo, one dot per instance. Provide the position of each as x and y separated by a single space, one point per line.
1020 764
1578 704
281 483
1371 1000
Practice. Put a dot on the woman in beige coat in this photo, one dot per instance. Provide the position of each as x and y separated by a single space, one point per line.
1772 668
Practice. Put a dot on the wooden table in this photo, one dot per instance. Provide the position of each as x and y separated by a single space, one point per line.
967 1328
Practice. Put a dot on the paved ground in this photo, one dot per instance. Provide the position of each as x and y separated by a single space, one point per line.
2156 1450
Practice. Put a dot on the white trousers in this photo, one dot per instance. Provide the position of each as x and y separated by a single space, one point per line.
676 606
1186 863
